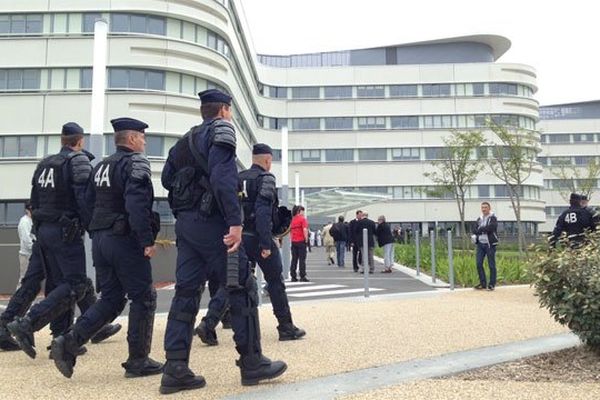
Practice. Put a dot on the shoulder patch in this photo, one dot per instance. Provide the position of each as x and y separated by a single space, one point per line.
224 134
80 167
140 167
268 187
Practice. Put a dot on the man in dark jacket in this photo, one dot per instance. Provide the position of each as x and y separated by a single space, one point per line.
353 236
369 225
486 239
339 232
385 239
574 221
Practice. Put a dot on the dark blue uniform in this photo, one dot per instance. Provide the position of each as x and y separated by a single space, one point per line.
122 226
260 206
574 222
59 213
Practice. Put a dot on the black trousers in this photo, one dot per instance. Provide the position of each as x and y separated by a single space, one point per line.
298 256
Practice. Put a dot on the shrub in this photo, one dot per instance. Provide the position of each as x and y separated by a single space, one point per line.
567 282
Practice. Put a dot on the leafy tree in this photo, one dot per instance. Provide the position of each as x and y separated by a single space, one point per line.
573 179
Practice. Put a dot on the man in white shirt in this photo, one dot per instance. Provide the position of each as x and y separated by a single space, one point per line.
25 237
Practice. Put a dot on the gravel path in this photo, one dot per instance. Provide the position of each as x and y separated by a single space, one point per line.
342 336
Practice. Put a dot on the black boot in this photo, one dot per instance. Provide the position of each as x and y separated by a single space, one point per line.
177 377
107 331
22 332
7 343
206 333
289 331
64 351
256 368
137 368
82 350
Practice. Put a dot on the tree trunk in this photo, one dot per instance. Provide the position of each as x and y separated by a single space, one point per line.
520 232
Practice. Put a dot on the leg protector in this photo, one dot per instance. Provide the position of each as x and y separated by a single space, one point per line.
244 316
141 323
180 327
21 300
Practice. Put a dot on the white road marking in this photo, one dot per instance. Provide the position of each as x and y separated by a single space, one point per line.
331 292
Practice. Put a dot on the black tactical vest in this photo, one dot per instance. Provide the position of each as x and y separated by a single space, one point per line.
190 180
110 202
250 181
55 194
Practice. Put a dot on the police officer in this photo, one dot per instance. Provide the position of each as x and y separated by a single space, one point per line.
260 205
59 215
124 229
201 177
575 221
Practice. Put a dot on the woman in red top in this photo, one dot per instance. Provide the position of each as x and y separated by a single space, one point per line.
299 237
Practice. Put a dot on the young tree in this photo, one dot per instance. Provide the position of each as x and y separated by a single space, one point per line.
512 161
580 179
456 170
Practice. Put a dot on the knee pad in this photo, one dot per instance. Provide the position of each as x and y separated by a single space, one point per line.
186 312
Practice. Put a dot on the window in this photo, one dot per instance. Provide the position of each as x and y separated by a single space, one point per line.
85 78
155 146
543 160
483 191
409 122
584 160
21 23
342 123
18 146
277 123
561 138
339 155
478 89
306 124
307 155
372 154
119 78
503 89
370 91
276 155
436 90
434 153
306 92
403 91
583 138
278 92
109 144
501 190
338 92
557 161
371 123
138 24
20 79
406 154
89 20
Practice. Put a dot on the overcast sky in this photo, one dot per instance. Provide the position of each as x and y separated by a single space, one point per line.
559 38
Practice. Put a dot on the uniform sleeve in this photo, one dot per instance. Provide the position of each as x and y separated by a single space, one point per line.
80 173
224 182
139 197
263 209
558 229
168 171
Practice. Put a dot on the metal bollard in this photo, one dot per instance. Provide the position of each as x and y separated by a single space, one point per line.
432 236
450 260
418 244
365 257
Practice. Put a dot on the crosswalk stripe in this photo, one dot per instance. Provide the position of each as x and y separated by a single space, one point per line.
331 292
316 287
291 284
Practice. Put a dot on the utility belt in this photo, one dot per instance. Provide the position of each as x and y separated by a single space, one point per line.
71 227
119 224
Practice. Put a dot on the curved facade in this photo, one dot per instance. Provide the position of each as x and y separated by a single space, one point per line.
368 120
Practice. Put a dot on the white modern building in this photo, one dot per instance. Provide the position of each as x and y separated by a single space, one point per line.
365 121
570 138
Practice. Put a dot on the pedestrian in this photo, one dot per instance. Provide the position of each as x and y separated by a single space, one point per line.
329 244
486 240
260 204
319 238
124 229
299 238
57 196
312 239
369 225
354 238
26 241
386 241
339 232
576 221
202 179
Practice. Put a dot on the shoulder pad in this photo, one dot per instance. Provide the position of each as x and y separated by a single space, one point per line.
80 166
223 134
268 188
140 167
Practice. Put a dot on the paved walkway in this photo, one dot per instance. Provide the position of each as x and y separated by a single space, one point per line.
344 335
